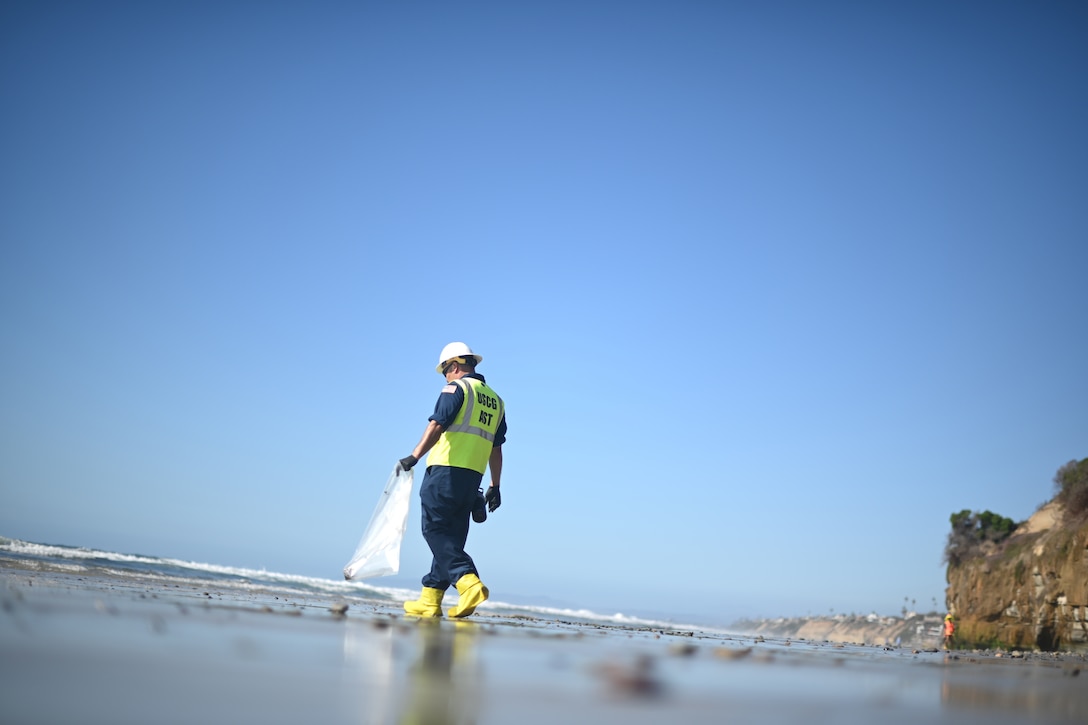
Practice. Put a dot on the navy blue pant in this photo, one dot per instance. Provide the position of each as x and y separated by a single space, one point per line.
447 496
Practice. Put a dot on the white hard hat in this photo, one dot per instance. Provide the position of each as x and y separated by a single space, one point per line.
456 349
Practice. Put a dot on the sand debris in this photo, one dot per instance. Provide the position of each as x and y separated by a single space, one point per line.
729 653
634 680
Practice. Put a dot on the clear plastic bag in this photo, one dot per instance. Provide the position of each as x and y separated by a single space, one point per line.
378 552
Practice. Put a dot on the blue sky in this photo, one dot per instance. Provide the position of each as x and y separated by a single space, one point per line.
770 289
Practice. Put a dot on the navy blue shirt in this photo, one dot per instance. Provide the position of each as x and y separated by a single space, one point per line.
449 403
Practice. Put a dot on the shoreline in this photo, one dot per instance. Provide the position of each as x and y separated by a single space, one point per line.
136 649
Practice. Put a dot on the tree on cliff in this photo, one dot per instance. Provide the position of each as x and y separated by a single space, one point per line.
971 531
1071 483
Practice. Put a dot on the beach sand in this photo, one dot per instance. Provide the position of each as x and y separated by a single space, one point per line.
98 649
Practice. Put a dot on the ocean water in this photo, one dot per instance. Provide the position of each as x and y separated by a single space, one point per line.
141 567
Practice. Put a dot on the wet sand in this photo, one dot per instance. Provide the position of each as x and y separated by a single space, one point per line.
97 649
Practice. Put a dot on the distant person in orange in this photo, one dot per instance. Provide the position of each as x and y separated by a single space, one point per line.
949 630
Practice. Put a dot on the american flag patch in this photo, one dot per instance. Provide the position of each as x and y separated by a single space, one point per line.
451 388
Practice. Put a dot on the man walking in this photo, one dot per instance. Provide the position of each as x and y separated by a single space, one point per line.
464 437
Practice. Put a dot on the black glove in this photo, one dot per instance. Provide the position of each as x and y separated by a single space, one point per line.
493 498
407 462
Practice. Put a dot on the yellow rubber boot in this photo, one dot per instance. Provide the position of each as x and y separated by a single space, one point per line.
473 594
429 603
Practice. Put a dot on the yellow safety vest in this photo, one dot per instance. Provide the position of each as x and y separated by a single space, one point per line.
468 441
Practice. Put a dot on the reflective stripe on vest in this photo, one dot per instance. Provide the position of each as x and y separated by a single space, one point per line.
468 441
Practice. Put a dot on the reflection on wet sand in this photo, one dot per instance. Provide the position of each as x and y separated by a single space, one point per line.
985 684
414 671
444 683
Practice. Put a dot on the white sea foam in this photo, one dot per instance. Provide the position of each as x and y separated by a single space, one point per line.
190 573
587 615
66 552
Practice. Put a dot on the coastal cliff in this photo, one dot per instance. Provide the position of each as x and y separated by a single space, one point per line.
913 630
1030 591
